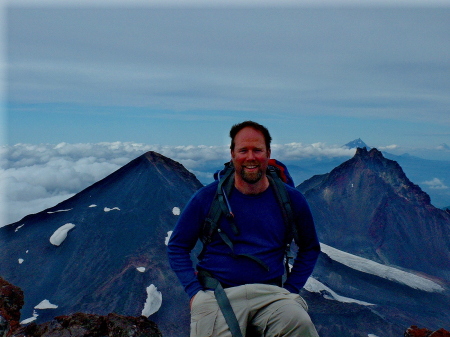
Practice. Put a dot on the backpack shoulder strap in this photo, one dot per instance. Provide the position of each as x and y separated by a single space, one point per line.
284 201
219 204
283 198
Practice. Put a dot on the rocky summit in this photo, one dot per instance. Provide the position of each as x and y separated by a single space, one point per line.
367 206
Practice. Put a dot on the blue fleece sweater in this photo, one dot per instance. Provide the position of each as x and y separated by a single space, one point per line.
262 234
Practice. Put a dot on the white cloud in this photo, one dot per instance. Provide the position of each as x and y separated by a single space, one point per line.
36 177
296 151
388 147
436 184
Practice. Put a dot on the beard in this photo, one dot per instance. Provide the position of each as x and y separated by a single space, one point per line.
251 177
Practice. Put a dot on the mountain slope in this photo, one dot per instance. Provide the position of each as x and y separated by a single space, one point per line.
367 206
120 224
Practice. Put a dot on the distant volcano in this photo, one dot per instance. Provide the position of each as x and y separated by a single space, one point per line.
355 144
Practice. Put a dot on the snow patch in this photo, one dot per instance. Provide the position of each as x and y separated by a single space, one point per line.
106 209
61 210
61 234
176 211
315 286
45 304
31 319
19 227
169 234
140 269
153 302
378 269
21 261
93 205
371 335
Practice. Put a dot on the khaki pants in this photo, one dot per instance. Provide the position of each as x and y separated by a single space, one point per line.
261 309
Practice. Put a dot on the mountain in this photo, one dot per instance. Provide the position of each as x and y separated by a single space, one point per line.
433 176
356 143
383 245
112 228
367 206
383 266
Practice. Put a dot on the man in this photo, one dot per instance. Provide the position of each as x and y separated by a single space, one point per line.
259 302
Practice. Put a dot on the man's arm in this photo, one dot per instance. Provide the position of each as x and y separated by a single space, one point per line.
182 241
308 245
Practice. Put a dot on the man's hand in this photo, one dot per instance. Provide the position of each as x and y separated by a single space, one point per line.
192 300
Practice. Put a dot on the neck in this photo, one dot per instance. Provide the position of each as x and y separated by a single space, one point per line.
247 188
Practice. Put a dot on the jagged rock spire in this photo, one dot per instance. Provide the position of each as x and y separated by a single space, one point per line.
367 206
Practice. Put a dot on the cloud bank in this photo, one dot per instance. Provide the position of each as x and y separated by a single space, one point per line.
36 177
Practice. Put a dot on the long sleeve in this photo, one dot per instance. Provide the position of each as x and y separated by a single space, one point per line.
308 245
184 238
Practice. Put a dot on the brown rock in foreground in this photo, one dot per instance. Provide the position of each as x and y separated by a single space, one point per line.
76 325
81 324
11 301
415 331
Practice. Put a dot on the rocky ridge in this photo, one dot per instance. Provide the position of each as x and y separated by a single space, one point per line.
111 325
368 207
76 325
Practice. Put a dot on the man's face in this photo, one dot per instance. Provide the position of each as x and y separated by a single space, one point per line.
250 155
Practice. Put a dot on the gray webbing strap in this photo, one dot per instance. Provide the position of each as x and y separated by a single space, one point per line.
222 300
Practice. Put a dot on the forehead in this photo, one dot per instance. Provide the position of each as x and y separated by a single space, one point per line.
249 135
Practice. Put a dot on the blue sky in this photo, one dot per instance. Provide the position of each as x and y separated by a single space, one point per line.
86 88
183 74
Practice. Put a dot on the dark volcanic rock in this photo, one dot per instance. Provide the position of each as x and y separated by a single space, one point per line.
11 301
76 325
86 325
121 223
415 331
368 207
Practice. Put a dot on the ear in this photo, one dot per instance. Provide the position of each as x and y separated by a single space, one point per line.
268 153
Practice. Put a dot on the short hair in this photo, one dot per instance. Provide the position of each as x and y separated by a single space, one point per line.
238 127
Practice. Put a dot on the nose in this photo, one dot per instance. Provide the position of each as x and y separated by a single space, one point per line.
250 155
